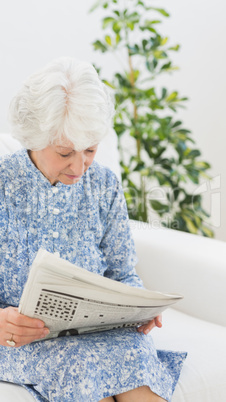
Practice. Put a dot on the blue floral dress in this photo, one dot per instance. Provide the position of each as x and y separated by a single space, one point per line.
85 223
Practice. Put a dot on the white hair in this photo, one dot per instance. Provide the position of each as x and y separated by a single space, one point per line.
66 99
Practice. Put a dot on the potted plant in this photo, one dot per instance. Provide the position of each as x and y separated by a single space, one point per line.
161 161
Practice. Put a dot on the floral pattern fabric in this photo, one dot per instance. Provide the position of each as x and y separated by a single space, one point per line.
87 224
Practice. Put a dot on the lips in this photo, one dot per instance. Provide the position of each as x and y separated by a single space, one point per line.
72 176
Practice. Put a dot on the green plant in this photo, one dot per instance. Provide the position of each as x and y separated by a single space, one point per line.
161 154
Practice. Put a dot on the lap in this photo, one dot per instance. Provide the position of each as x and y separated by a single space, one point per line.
87 367
33 362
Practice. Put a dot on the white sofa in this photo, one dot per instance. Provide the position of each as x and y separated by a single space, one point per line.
175 262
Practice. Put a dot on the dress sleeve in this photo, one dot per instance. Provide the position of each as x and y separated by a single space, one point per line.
117 243
3 235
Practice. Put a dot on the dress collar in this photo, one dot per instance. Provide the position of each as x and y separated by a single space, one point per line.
35 174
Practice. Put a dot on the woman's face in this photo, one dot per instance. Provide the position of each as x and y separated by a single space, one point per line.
62 163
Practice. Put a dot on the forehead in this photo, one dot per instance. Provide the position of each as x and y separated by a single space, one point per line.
64 144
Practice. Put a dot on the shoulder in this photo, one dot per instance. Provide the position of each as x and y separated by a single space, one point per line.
104 179
12 166
101 170
102 184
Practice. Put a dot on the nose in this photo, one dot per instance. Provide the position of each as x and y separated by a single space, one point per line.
77 164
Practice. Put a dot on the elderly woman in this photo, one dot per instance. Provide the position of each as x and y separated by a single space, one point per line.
54 196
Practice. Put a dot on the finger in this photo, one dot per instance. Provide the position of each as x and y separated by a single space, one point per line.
24 340
25 331
158 321
147 327
21 320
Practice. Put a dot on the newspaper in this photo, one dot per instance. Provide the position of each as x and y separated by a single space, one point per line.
72 301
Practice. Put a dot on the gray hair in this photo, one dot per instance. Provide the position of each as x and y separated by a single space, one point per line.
66 99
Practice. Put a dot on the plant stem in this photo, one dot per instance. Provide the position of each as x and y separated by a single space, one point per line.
132 82
144 199
138 144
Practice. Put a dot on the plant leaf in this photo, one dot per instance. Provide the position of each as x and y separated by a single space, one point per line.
160 10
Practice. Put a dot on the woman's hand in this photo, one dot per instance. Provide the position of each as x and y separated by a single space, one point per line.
156 322
20 328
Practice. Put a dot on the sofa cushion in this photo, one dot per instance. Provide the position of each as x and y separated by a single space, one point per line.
203 378
108 154
12 392
8 144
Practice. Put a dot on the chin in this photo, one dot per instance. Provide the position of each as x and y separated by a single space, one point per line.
68 181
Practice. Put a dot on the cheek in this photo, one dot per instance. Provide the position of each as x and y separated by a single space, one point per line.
89 160
93 156
61 166
56 165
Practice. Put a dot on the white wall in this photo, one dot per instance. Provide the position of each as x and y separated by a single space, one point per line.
199 26
34 32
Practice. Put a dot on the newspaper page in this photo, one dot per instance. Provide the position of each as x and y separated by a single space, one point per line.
73 301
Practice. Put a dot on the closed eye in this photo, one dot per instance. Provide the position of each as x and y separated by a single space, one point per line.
70 153
65 156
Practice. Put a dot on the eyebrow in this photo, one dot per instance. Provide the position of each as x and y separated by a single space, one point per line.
70 149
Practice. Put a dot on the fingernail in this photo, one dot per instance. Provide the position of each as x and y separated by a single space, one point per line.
45 333
146 331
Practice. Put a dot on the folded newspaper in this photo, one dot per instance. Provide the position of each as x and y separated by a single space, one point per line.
71 300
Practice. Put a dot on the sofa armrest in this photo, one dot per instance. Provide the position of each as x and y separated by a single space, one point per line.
178 262
8 144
